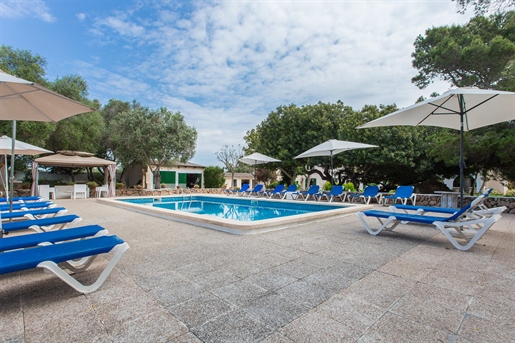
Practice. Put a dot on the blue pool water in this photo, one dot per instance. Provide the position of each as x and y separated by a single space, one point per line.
233 208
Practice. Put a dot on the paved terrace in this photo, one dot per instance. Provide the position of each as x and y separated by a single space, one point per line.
325 282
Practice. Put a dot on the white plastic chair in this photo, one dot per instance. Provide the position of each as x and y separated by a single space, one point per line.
102 189
79 189
45 191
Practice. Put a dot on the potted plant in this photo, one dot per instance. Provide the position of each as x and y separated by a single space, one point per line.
92 185
163 185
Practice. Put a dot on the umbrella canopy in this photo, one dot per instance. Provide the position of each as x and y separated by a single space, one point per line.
333 147
461 109
257 158
24 100
20 148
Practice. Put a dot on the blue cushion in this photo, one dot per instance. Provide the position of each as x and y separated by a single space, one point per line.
30 240
25 224
18 214
17 260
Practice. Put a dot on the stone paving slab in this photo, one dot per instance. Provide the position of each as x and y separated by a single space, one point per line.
329 281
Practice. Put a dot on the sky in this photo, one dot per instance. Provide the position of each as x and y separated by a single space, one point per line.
225 65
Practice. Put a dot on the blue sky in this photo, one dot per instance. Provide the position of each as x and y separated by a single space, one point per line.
225 65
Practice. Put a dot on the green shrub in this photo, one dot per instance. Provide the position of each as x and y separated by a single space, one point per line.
496 193
120 185
510 193
327 186
349 187
214 177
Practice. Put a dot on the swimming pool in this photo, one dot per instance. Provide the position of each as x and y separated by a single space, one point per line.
232 214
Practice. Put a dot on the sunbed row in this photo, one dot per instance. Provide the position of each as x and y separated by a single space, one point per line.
57 245
402 194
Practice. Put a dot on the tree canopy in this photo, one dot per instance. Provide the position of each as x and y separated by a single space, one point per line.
290 130
480 53
484 6
153 138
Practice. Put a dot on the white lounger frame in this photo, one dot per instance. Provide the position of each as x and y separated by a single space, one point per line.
470 230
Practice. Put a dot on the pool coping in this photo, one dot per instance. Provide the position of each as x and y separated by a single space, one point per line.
234 226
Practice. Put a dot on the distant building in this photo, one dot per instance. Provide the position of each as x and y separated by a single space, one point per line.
239 180
183 174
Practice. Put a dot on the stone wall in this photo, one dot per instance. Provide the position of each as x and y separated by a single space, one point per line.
492 201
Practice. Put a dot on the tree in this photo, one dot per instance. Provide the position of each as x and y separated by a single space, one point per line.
23 64
480 53
230 158
153 138
214 177
484 6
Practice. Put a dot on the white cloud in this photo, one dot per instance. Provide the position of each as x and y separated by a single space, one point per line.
226 65
81 16
20 9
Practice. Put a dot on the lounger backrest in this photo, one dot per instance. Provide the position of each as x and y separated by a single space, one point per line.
336 190
470 206
278 188
404 191
371 191
291 188
258 188
313 189
244 187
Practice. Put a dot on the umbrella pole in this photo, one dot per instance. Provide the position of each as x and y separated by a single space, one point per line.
11 179
462 158
332 176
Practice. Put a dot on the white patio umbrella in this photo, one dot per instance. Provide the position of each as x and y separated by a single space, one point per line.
333 147
20 148
461 109
257 158
24 100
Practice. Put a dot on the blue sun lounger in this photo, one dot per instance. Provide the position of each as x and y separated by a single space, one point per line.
310 193
458 224
367 195
335 192
50 256
27 205
290 190
276 191
242 190
34 214
402 193
42 225
256 191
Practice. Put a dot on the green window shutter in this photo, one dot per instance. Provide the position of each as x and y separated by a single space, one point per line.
183 178
167 176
